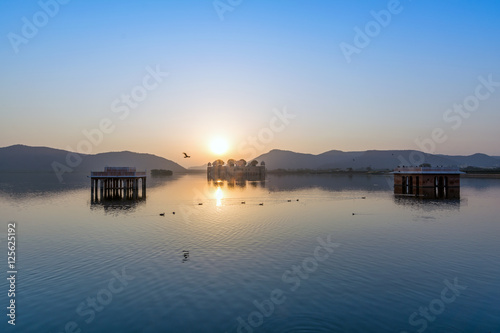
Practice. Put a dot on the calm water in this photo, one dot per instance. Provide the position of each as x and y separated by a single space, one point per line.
224 266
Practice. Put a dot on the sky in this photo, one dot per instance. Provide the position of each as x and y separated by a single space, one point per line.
167 77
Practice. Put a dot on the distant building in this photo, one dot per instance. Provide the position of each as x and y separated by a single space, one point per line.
218 170
429 182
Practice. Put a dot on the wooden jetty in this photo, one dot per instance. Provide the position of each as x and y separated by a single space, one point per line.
117 182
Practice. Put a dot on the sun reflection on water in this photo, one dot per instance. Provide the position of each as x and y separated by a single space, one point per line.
218 196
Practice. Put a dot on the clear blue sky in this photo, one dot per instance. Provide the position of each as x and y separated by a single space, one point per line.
225 77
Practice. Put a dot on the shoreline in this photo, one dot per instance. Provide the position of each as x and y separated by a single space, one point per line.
482 175
325 172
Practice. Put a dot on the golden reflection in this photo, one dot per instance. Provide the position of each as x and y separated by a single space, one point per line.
218 196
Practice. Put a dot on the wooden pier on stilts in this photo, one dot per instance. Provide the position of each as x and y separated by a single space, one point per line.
118 183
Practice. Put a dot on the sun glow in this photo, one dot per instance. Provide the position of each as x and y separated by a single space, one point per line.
219 146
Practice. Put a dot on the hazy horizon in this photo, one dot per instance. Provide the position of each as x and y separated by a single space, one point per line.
404 156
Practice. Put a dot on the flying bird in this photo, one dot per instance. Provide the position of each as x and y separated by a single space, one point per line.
186 155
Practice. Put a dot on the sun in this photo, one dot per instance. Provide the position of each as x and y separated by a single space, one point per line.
219 146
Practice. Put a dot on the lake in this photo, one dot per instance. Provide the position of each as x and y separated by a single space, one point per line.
297 253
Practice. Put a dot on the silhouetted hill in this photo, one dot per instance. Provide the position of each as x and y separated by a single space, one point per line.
477 160
198 168
374 159
26 158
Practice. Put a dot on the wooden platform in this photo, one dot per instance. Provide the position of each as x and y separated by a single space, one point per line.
431 182
117 183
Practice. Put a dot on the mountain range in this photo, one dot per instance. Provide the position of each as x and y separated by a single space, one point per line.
23 158
373 159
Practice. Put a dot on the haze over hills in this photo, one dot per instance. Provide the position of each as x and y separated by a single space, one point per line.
26 158
374 159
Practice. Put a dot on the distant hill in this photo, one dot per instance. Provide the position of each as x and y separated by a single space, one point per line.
477 160
198 168
25 158
374 159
